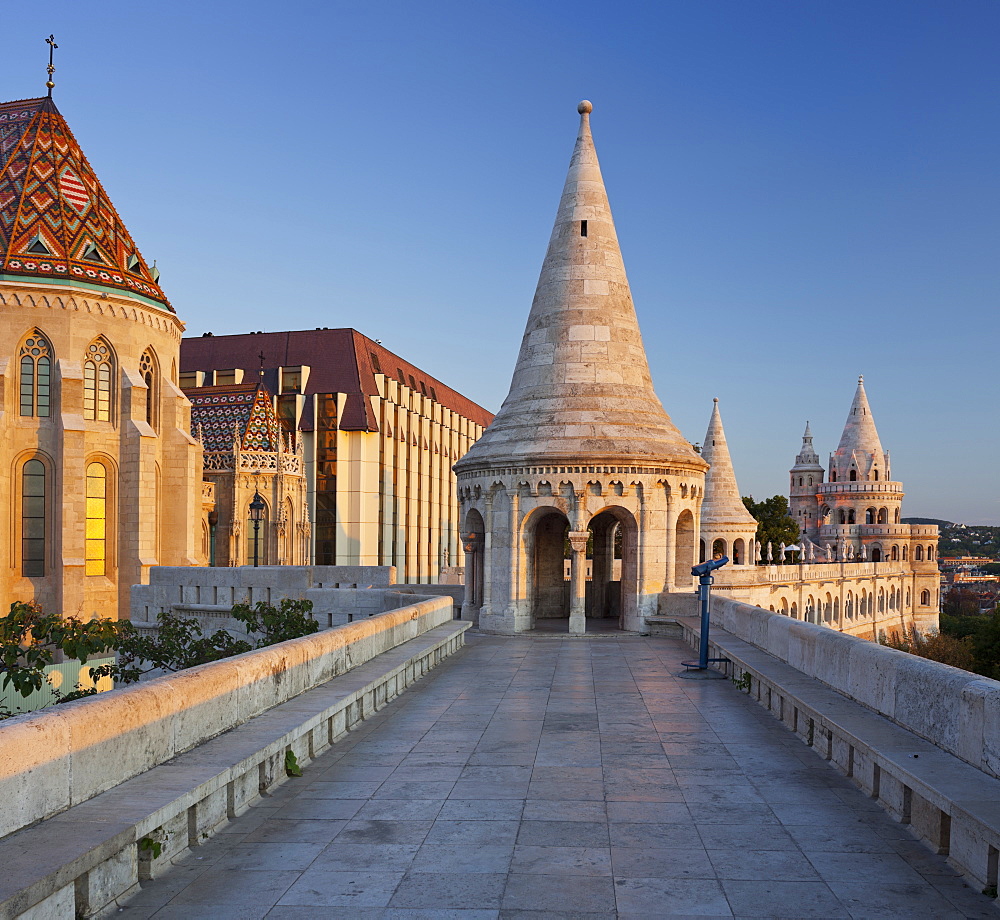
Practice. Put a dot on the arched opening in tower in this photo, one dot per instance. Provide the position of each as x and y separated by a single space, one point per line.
473 542
612 589
684 549
548 534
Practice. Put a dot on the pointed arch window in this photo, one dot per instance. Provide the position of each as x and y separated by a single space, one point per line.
854 475
98 378
36 375
97 520
33 524
147 368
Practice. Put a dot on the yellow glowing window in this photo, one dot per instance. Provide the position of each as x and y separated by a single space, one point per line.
96 536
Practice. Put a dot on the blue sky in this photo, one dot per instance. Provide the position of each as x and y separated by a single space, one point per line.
804 191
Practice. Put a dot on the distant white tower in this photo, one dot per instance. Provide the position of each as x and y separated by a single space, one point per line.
806 477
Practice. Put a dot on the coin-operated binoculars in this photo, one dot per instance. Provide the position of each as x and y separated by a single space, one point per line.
704 573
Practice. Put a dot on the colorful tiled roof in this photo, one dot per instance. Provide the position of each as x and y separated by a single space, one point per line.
340 361
220 415
56 220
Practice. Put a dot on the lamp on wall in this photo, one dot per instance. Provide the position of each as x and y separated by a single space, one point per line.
257 507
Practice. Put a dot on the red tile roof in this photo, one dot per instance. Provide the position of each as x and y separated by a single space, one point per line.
340 361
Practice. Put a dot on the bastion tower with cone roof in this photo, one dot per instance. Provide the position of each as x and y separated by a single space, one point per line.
581 447
101 477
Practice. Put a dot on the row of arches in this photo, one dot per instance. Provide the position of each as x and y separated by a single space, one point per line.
36 357
736 551
854 476
857 606
849 516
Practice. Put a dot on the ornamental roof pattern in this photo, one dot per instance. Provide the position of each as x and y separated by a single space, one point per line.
243 413
56 220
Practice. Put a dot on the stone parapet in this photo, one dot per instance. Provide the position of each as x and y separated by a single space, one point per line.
920 737
86 861
79 750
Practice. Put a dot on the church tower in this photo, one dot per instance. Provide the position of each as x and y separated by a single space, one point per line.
581 453
101 477
727 527
805 479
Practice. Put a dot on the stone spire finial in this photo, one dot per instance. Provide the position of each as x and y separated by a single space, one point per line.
722 503
581 388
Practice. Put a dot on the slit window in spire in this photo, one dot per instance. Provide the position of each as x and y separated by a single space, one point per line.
583 228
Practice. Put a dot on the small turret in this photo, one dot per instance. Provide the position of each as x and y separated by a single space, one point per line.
805 478
724 518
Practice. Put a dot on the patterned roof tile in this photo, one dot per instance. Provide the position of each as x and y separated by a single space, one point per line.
56 220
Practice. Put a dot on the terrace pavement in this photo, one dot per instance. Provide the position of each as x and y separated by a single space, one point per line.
564 778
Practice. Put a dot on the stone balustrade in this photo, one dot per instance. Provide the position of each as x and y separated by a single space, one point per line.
103 792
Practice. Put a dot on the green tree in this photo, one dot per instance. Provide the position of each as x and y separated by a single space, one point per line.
30 639
774 524
938 647
960 602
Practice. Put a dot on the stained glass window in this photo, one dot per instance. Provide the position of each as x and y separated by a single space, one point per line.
33 519
97 374
97 519
36 370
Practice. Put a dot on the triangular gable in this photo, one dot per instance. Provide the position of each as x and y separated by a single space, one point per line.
262 430
49 193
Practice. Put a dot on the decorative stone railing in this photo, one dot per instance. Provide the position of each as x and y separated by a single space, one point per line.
172 759
253 461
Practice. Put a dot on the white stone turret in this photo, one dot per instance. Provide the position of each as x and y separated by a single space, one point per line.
726 524
860 503
805 478
581 447
581 389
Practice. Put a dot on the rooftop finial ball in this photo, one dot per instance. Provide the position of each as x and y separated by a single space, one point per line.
585 107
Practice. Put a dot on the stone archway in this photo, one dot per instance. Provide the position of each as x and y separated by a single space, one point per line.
684 540
611 594
548 587
473 542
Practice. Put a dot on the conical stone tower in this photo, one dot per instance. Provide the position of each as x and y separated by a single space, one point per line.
726 525
581 447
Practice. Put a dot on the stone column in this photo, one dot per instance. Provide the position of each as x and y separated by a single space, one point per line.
578 582
487 593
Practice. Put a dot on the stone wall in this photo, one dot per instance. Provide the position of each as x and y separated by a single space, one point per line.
52 760
955 710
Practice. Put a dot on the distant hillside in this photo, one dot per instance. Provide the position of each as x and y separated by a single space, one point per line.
971 540
940 523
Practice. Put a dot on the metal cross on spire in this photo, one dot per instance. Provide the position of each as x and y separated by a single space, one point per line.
51 42
261 356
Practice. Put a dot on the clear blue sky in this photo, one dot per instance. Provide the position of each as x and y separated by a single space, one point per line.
804 191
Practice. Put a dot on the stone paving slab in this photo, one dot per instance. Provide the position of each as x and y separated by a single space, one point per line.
546 778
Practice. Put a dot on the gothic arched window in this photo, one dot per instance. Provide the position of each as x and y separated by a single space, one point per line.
33 519
148 371
854 476
36 375
96 552
98 377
